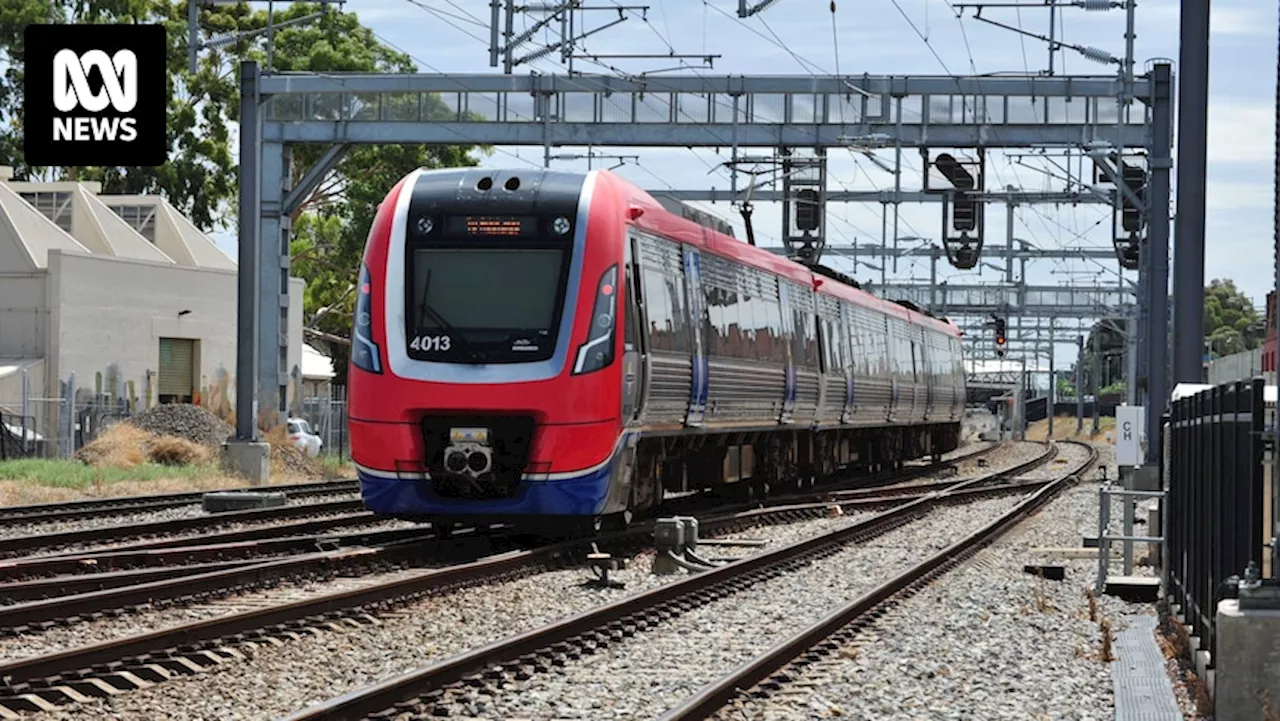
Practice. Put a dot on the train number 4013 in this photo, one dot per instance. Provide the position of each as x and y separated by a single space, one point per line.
431 343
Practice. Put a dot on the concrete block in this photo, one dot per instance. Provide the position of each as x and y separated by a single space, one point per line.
223 501
1052 573
1135 589
1247 662
1146 478
251 460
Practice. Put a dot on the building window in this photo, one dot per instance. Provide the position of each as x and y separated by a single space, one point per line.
54 206
141 217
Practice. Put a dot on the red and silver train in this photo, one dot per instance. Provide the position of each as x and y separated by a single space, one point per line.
533 344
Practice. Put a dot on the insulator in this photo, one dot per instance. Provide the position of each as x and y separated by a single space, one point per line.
1097 55
1096 5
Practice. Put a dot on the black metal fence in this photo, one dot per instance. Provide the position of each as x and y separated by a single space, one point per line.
1216 452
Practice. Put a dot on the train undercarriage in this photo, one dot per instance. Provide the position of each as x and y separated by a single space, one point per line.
756 464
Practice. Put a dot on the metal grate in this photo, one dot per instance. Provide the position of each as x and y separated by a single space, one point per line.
1141 686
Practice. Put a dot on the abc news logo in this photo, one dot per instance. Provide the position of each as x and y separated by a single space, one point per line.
95 95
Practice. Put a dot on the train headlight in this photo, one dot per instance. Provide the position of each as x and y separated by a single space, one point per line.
597 351
561 225
364 352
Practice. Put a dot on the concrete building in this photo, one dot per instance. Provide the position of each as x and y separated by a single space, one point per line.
121 293
317 373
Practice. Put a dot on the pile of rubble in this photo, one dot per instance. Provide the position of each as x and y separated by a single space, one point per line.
184 420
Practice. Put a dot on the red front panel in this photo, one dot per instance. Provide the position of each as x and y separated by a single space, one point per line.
577 416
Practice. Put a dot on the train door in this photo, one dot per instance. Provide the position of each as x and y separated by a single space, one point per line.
850 360
633 340
695 306
789 331
928 351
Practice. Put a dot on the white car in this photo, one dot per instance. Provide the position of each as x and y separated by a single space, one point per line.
300 435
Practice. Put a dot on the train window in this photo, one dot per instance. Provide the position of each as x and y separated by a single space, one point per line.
775 350
722 313
631 319
804 339
658 303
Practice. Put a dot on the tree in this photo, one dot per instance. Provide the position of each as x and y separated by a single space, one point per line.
1231 325
200 178
1107 340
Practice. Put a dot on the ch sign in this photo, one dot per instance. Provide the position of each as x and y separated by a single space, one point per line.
1129 433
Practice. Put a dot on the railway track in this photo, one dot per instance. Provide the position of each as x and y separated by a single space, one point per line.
426 692
340 512
65 676
73 596
72 510
840 626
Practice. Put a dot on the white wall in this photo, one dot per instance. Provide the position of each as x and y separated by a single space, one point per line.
24 315
1235 367
113 311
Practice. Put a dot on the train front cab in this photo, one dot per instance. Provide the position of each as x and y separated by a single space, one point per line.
500 368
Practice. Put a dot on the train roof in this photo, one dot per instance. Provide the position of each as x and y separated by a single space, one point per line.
702 229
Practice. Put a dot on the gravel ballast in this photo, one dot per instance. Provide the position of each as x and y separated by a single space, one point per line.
984 641
705 641
126 517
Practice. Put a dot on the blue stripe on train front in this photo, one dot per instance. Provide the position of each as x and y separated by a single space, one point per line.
569 494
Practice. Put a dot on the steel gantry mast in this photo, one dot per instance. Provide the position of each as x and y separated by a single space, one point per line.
797 119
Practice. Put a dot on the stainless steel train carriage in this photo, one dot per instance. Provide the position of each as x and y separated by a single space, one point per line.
612 349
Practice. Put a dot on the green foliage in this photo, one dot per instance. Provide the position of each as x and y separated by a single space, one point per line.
1066 389
1231 325
60 473
200 178
1117 387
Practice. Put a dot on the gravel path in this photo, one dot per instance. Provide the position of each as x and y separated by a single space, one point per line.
441 626
985 641
120 518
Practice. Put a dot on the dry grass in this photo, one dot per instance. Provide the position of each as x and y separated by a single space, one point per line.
1093 604
1064 428
1199 694
1038 596
126 461
1104 652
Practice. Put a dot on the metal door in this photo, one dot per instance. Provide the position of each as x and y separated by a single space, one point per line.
693 292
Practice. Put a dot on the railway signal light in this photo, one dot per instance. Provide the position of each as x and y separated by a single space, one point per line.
807 219
964 215
1001 339
1135 178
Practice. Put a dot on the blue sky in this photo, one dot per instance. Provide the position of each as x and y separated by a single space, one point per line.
874 36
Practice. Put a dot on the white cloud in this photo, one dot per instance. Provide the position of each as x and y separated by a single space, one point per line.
1241 132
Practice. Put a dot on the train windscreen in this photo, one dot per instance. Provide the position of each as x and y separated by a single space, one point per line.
484 305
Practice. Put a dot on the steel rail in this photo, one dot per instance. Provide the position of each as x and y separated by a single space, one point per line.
718 694
84 594
107 534
48 512
615 620
101 563
45 672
